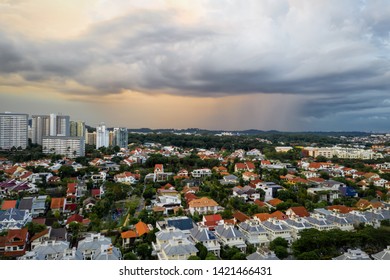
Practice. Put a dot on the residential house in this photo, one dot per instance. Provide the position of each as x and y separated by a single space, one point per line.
229 180
8 204
320 222
88 204
245 166
297 211
341 221
249 176
14 187
14 219
203 205
246 193
347 191
270 189
26 203
297 225
382 255
265 216
324 193
128 238
367 218
200 173
38 206
53 250
202 234
177 249
356 254
254 233
15 242
39 238
98 247
75 218
254 152
240 217
211 221
127 178
364 204
262 254
162 239
183 173
58 204
228 235
168 198
339 209
277 228
274 202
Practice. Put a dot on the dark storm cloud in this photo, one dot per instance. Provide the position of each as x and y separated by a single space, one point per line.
338 58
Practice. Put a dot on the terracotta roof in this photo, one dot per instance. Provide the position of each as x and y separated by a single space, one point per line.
71 188
316 179
74 218
340 209
241 217
300 211
18 234
250 165
39 234
190 197
57 203
363 204
240 166
262 216
229 221
8 204
158 166
279 215
274 202
129 234
141 228
212 218
203 202
259 203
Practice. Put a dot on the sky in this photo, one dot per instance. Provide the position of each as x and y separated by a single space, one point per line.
289 65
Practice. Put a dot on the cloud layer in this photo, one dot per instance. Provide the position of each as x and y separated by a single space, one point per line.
333 53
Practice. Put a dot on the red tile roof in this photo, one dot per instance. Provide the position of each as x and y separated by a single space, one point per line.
8 204
71 188
39 234
340 208
74 218
57 203
300 211
240 217
141 228
95 192
259 203
129 234
279 215
274 202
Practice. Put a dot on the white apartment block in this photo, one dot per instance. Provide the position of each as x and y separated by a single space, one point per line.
102 136
13 131
347 153
68 146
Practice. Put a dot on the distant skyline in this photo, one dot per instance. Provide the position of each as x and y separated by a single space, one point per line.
288 65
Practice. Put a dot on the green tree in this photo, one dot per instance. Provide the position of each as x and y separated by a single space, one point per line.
144 251
202 250
130 256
